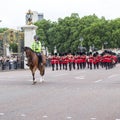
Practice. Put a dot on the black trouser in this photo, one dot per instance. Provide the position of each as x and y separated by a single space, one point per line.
90 65
70 65
53 65
60 65
39 57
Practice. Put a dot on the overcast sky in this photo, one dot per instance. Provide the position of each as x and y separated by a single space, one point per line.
12 12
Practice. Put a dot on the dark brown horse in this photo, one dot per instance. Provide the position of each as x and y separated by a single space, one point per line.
34 64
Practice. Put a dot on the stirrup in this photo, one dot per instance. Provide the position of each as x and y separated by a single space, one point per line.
27 64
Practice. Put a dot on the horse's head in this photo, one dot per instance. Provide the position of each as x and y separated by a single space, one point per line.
27 50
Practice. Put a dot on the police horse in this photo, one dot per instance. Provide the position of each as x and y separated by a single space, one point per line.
33 61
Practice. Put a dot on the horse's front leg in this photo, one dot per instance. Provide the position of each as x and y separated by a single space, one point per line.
33 74
34 81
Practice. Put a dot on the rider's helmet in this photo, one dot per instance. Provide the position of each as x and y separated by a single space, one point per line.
36 38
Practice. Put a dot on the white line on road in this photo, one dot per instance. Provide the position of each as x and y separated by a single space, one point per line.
93 118
23 115
69 117
111 76
80 77
60 75
98 81
1 114
45 116
115 75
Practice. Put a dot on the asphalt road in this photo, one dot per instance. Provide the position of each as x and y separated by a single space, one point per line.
65 95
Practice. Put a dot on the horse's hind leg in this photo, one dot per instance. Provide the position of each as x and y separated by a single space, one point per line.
42 72
41 79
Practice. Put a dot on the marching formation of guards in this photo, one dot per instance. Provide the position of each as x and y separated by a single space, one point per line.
82 60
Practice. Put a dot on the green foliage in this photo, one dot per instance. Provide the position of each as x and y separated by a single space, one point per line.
65 33
14 47
3 29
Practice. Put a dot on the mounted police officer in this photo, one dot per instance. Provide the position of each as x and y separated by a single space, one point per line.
36 47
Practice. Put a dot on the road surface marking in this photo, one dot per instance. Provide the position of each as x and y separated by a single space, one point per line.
98 81
23 115
60 75
93 118
1 114
80 77
69 117
45 116
115 75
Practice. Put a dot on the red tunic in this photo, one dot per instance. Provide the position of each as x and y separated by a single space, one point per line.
90 59
53 60
107 59
83 58
79 59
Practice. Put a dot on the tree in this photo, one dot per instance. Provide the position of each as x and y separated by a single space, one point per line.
2 30
65 33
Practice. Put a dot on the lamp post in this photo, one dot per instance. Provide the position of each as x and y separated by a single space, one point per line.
55 49
105 44
93 48
81 46
44 48
81 40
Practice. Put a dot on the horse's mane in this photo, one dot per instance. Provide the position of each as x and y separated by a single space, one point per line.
29 48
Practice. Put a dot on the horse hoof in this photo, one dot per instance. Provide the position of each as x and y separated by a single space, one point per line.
34 82
41 81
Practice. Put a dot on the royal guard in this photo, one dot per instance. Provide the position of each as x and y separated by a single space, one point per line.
74 60
65 59
60 60
114 59
52 60
83 60
56 60
87 56
98 60
90 60
78 60
70 60
102 60
95 60
107 60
